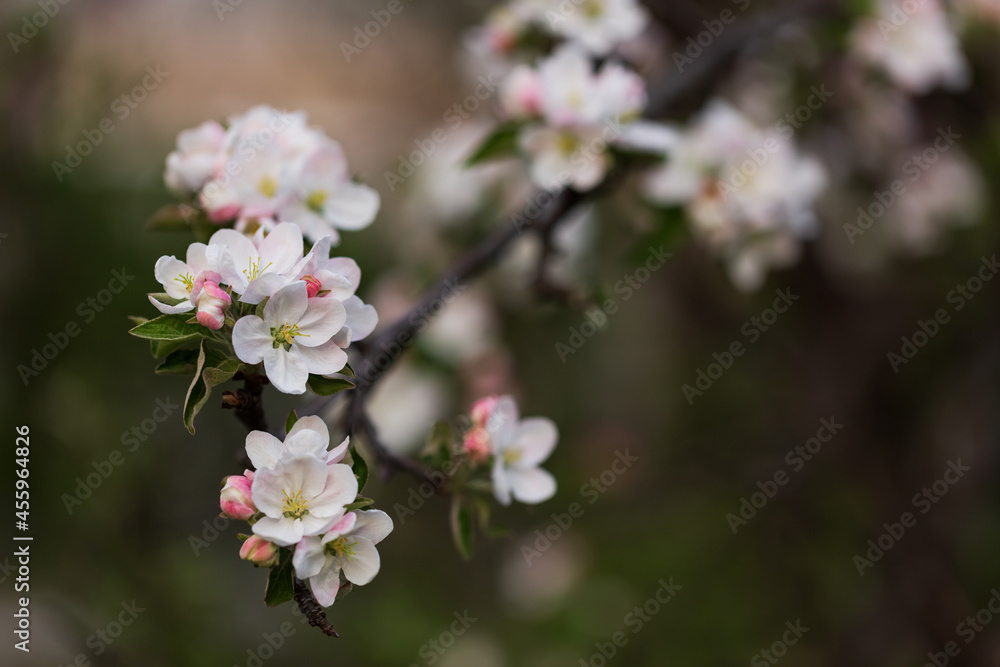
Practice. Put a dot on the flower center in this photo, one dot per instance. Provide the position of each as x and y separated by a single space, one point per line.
295 506
255 269
187 280
285 334
511 456
268 186
593 9
567 143
316 200
341 547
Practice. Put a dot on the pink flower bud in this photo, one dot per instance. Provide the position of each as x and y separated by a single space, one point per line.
235 500
313 285
477 444
212 304
259 551
481 409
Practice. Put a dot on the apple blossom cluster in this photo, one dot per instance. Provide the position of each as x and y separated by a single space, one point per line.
303 506
267 166
747 192
514 448
570 115
295 313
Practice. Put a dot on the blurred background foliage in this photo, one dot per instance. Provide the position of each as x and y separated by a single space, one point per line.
135 536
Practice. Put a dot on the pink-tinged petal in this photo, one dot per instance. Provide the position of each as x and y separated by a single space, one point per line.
343 526
197 258
240 247
286 370
287 305
323 360
343 266
182 307
326 584
314 524
267 490
262 287
341 490
316 258
263 449
362 567
536 438
285 532
322 319
351 206
252 339
338 453
531 485
501 485
502 422
336 286
168 272
373 525
282 248
361 318
309 558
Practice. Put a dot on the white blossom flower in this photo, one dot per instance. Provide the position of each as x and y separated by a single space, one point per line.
323 198
308 437
301 496
519 447
198 157
180 280
256 271
914 43
599 25
582 112
348 546
293 339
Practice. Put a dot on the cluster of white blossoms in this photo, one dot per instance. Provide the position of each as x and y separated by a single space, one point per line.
747 192
914 42
516 447
267 166
599 26
572 115
300 498
309 313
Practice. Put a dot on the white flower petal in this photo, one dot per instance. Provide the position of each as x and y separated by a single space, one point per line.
284 531
373 525
287 371
309 557
326 584
282 248
536 438
531 485
287 305
252 340
362 567
323 360
351 206
341 489
263 449
323 317
182 307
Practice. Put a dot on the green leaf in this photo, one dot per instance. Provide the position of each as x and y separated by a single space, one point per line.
280 581
170 327
179 362
212 369
348 371
360 468
163 348
259 309
173 218
163 297
328 386
360 503
502 142
137 320
290 422
461 527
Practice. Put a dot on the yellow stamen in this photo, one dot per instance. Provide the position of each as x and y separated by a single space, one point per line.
295 506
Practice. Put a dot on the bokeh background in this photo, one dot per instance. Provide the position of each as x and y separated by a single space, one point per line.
135 538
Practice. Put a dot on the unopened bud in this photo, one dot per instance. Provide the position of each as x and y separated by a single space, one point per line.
477 445
235 499
259 551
